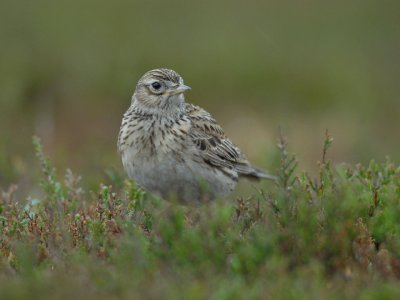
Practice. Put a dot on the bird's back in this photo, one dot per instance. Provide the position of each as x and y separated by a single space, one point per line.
215 147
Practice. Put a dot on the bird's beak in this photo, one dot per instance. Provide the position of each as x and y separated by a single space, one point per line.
180 89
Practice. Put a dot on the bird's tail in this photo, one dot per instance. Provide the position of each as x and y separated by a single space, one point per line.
256 174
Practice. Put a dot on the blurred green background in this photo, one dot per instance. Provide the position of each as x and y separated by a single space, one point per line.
68 69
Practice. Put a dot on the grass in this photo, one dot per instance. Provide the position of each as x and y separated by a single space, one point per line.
333 236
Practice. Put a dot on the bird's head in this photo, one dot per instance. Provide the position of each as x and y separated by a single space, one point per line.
160 90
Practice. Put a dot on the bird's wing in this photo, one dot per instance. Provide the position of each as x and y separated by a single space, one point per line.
214 147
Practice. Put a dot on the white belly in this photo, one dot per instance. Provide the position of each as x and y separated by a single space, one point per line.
167 175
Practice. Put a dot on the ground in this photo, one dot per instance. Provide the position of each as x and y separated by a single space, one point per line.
332 236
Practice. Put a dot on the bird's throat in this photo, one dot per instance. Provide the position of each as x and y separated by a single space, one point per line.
172 107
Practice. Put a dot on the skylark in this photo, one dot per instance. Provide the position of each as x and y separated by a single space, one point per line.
176 149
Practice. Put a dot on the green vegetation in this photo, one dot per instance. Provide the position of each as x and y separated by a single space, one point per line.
333 236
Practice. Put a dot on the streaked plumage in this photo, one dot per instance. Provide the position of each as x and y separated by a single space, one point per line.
176 149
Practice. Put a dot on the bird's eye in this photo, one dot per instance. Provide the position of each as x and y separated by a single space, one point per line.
156 85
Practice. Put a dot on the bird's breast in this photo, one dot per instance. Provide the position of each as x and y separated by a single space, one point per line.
154 138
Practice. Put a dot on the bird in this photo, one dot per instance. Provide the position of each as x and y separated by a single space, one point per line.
175 149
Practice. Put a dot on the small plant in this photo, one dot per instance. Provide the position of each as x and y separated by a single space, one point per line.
335 235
